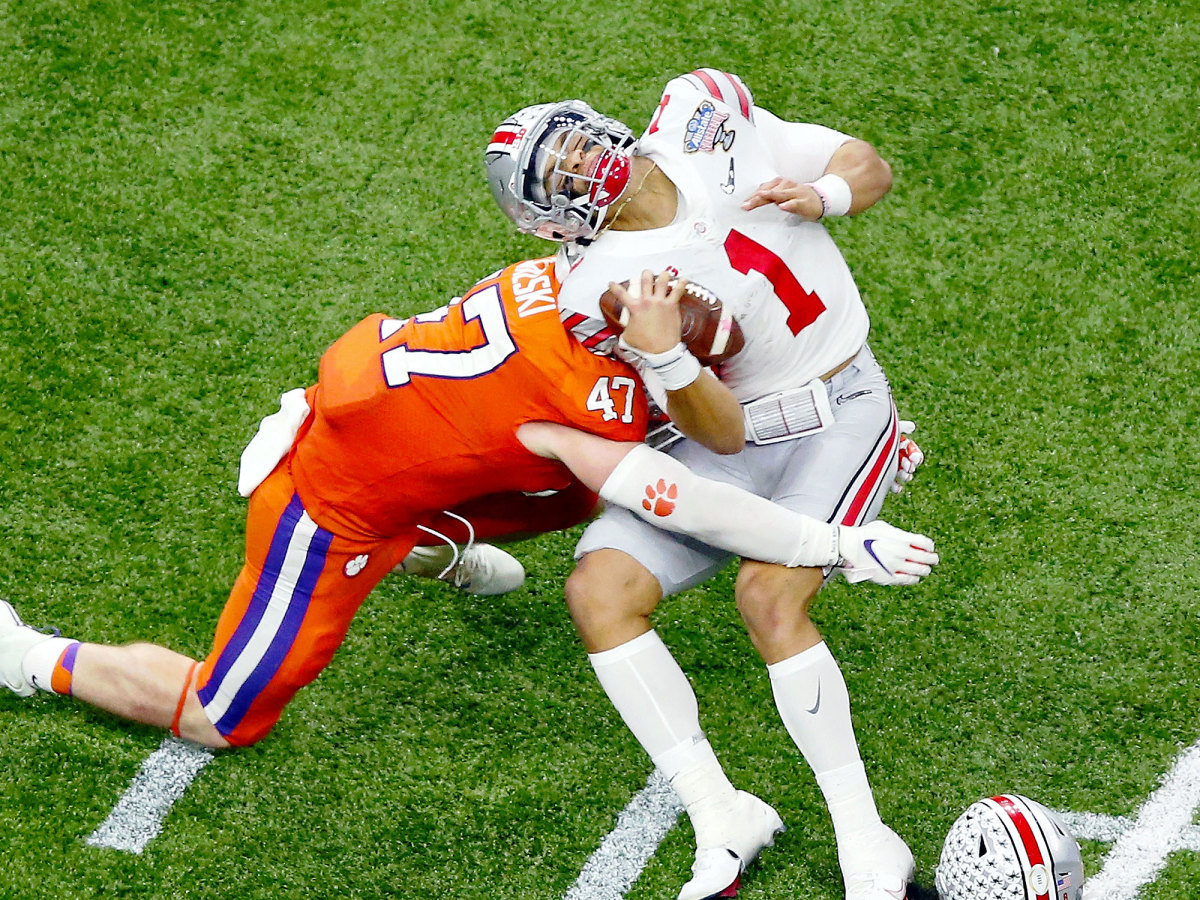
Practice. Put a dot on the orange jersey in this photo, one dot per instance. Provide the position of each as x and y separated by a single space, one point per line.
411 417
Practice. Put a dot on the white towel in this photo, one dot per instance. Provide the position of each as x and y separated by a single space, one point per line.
276 434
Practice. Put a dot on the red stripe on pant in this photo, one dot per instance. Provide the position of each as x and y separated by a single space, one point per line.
872 480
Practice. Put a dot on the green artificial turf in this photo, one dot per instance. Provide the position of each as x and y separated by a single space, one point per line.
199 197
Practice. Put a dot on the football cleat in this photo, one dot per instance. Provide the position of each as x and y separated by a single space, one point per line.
480 569
717 871
15 640
886 869
877 886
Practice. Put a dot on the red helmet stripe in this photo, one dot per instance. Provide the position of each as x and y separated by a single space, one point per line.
1032 849
506 137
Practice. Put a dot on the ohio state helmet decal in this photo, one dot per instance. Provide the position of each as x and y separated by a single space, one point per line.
1009 847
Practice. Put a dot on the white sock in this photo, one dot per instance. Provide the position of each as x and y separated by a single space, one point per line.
703 788
856 821
814 704
658 705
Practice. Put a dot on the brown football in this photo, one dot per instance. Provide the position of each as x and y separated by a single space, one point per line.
711 333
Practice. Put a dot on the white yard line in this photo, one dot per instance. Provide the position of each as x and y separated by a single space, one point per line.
1162 825
138 816
621 856
1106 829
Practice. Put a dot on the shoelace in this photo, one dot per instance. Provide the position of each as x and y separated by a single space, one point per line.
460 576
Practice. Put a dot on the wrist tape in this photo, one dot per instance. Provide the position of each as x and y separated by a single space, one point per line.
676 368
834 193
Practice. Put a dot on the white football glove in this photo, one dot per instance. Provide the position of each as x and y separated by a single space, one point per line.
884 554
909 457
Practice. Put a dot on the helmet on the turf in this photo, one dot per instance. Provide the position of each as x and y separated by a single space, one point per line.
1009 847
526 168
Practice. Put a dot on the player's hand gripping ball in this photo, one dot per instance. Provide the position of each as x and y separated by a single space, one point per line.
709 330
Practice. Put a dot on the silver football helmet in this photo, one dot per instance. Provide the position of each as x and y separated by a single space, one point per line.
526 169
1009 848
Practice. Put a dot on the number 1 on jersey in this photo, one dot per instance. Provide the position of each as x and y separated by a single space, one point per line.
747 255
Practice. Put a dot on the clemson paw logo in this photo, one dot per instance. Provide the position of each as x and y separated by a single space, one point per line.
660 498
356 565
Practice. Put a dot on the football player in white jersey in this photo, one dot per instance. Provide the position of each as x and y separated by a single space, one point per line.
732 197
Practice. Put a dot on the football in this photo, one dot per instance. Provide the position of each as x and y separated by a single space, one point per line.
709 331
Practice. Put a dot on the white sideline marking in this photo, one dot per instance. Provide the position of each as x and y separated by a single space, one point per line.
1163 825
621 856
1106 829
138 817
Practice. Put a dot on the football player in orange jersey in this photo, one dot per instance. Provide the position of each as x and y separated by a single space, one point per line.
462 411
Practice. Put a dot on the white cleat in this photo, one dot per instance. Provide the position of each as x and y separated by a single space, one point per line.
15 640
481 569
886 875
717 871
486 570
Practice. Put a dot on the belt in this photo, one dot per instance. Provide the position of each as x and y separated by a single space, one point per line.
828 375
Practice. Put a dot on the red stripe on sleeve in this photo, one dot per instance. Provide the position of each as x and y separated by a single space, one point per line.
742 94
599 337
709 84
573 319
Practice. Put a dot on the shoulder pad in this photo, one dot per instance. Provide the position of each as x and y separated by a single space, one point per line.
723 86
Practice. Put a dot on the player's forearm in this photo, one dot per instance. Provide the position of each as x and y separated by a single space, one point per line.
707 412
864 170
665 493
661 490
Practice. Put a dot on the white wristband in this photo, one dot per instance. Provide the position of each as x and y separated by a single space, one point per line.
676 368
834 193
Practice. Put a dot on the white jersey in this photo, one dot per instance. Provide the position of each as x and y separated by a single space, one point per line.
784 279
